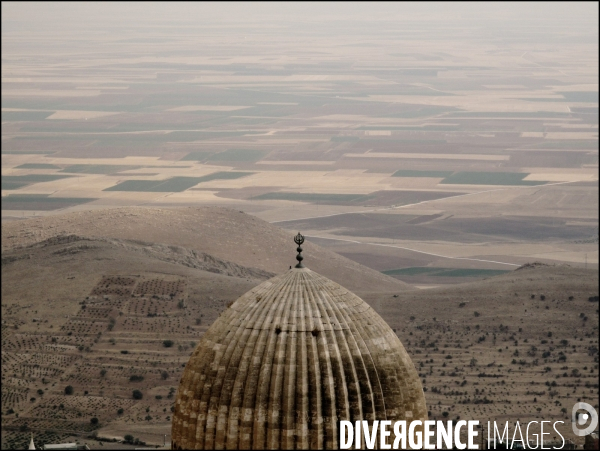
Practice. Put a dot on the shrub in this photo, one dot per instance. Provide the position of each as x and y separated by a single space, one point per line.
94 421
124 351
68 390
40 392
137 394
128 438
120 411
477 314
168 343
164 375
102 372
136 378
158 396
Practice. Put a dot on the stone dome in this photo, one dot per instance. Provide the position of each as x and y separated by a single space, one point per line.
285 363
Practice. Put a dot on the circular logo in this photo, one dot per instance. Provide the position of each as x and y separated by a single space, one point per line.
581 419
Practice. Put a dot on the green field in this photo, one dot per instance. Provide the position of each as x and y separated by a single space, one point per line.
423 111
34 178
13 116
27 152
98 168
224 176
40 202
11 182
412 271
250 155
410 173
511 115
567 144
465 272
344 139
444 272
198 155
12 185
490 178
322 198
580 96
173 184
37 166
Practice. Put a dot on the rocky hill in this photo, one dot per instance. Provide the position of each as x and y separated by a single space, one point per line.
224 234
99 306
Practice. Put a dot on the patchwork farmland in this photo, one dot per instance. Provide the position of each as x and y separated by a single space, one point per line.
439 151
485 151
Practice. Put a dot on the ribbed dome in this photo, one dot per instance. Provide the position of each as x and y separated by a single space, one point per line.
285 363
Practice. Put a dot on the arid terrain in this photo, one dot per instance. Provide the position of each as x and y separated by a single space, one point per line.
413 143
89 301
157 160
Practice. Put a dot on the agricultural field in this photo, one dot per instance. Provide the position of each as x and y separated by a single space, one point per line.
435 150
497 149
120 316
81 353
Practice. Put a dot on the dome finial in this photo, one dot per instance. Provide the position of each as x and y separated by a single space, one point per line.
299 239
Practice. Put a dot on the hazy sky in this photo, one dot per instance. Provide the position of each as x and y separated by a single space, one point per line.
58 15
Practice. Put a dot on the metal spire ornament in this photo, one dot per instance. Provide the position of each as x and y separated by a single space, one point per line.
299 239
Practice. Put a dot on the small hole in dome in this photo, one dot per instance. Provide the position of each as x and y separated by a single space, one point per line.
278 330
315 333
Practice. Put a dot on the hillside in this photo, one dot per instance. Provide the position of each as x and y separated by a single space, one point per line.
517 347
108 302
109 313
95 314
225 234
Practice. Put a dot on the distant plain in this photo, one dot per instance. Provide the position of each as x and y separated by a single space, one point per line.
493 146
435 153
